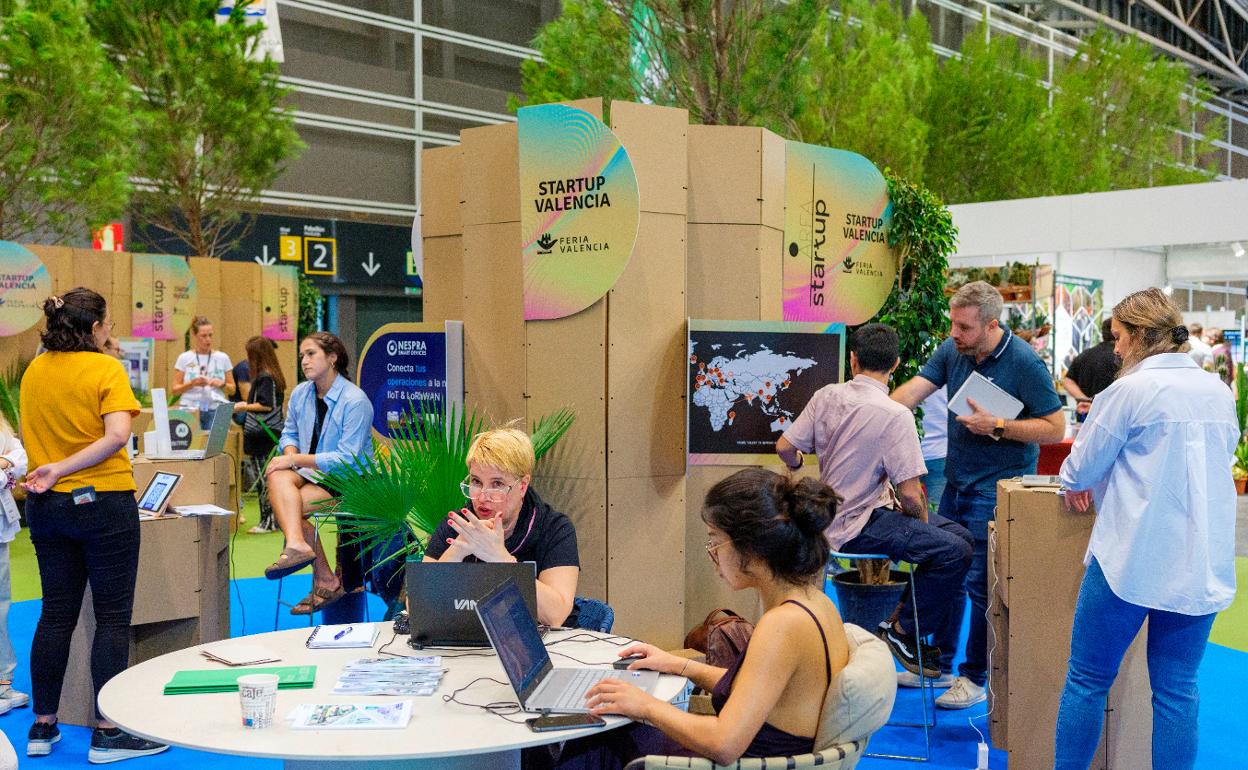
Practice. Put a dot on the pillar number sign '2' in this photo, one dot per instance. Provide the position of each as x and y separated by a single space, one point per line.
838 267
578 209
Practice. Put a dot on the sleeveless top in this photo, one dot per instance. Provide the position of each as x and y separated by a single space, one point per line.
772 741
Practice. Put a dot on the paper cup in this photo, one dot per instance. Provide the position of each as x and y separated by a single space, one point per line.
258 695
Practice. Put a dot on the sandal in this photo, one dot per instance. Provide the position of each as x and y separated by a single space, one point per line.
319 599
289 562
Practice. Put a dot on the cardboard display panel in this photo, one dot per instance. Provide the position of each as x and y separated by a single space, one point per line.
646 376
704 590
119 303
656 141
726 176
494 342
771 274
773 180
584 501
1044 546
717 250
491 178
645 563
443 279
441 192
566 365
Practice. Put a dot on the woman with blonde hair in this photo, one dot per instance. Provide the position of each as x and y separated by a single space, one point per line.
1155 456
203 377
505 521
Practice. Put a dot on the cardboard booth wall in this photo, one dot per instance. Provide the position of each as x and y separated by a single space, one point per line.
708 246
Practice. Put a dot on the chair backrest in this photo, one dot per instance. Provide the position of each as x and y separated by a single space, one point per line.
593 615
861 697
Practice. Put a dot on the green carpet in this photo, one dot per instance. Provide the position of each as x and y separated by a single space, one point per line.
251 553
1231 627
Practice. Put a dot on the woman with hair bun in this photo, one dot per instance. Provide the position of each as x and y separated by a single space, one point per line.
764 533
84 522
1155 454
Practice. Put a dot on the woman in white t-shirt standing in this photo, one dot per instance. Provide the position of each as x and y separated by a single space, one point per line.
203 377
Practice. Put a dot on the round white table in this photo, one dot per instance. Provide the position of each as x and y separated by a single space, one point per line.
441 734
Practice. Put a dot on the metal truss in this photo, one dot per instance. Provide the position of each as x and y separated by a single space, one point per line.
1211 35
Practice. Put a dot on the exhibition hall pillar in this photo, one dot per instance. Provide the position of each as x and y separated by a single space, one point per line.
619 472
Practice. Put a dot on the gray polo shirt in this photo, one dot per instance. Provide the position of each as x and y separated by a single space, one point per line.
863 440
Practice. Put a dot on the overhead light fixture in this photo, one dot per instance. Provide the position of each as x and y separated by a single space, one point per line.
1237 249
1167 290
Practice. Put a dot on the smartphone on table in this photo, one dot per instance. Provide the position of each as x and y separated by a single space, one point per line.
548 722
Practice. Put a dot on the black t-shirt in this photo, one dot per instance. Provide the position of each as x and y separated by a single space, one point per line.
549 542
1094 369
322 409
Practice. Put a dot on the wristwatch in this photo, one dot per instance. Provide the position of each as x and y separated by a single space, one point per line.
999 430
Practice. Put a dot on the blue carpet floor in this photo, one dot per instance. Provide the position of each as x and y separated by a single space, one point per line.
1223 680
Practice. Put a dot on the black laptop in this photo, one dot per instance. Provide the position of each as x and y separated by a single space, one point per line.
442 599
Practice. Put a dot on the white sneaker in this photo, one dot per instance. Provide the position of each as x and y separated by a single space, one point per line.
963 693
907 679
11 699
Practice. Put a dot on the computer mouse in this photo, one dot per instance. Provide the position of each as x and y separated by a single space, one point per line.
624 662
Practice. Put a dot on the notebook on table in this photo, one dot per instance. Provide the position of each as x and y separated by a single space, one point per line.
442 599
342 636
540 686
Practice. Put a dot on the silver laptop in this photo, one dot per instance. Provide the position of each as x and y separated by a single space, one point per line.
221 419
539 686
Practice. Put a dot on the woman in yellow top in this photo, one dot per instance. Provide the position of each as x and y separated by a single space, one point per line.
76 407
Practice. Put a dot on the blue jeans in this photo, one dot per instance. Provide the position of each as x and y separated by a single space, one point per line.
972 510
1104 628
941 551
934 480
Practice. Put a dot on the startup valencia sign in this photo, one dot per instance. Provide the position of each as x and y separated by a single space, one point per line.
24 285
838 267
578 209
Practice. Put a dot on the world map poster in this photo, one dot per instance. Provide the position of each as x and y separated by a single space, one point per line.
748 381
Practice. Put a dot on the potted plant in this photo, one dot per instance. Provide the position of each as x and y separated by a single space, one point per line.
869 594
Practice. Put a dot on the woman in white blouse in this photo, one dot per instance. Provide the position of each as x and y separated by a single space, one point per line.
1155 456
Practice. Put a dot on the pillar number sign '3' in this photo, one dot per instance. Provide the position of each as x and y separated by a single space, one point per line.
578 209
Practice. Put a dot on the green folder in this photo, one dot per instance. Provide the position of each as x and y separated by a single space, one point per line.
226 680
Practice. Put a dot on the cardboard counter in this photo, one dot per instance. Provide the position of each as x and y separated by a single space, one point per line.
1035 552
181 597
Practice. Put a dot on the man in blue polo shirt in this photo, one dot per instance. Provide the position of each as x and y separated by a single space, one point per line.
983 448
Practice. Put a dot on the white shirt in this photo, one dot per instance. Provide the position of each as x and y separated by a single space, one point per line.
1199 352
212 365
935 441
1156 452
12 450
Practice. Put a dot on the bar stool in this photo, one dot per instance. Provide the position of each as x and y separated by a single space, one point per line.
926 688
316 520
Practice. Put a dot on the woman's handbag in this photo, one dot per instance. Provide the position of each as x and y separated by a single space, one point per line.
257 441
722 637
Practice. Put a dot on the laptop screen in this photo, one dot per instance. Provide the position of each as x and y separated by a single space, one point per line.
515 638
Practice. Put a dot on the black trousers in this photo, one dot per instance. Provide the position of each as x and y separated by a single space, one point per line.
75 544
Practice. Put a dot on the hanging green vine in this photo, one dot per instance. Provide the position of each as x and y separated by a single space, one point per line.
923 235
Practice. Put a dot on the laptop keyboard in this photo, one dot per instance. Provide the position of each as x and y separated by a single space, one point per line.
576 681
